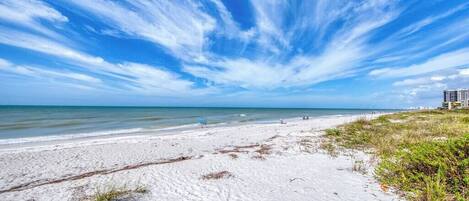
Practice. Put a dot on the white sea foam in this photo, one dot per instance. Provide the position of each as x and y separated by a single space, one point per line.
68 136
185 126
93 134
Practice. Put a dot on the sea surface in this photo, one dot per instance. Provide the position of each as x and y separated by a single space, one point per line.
22 124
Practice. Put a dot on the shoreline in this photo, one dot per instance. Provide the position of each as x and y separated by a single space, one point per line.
287 147
12 144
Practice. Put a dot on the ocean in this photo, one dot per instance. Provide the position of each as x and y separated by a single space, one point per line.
21 124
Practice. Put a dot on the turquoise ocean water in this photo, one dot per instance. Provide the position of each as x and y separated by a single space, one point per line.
35 123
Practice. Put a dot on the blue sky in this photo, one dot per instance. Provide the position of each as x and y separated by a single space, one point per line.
324 53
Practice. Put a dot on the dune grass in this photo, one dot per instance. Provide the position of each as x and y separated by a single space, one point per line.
217 175
424 154
115 193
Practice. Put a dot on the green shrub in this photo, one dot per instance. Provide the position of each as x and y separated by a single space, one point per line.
435 170
383 119
460 111
333 132
465 120
362 122
110 195
435 189
113 193
432 112
422 153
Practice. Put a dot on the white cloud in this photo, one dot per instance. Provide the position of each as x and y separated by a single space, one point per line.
139 77
29 13
42 73
464 72
448 60
301 71
153 80
44 45
332 64
229 27
412 82
70 75
427 89
243 72
179 26
269 16
415 27
4 63
183 27
326 12
276 33
444 37
341 57
437 78
451 77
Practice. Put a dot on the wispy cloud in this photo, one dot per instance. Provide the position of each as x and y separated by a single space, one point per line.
416 47
452 59
29 14
417 26
179 26
142 78
67 77
420 88
133 76
419 81
340 58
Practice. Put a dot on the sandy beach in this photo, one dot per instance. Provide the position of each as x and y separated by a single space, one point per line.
243 162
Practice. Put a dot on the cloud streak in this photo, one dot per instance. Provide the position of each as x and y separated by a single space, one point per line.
341 57
180 27
141 78
458 58
30 13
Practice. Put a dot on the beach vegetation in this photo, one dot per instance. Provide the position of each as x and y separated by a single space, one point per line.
113 193
465 120
333 132
307 144
217 175
359 166
423 154
264 149
329 147
233 156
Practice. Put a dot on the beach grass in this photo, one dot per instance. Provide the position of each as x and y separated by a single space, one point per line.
423 154
116 193
217 175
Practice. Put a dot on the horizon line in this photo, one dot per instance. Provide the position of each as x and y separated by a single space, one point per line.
230 107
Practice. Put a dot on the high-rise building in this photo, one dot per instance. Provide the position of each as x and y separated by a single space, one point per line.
456 98
464 97
450 95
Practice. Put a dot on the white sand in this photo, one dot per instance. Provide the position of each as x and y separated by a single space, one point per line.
295 169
